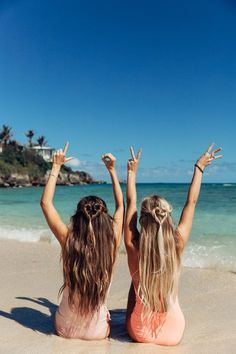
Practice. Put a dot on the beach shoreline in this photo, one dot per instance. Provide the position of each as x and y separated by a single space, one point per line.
31 277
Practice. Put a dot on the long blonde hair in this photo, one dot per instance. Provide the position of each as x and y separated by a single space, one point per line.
159 255
89 255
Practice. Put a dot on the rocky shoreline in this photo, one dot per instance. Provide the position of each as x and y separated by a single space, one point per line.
64 179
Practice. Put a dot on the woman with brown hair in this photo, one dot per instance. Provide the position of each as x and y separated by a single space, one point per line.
154 258
89 246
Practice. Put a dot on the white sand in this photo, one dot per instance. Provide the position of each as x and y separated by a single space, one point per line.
31 277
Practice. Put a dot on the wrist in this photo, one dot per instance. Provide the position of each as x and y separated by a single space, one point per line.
56 168
200 165
131 173
112 171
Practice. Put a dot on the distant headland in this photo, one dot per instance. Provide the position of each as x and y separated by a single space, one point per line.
29 165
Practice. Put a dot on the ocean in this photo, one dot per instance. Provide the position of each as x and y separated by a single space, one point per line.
212 242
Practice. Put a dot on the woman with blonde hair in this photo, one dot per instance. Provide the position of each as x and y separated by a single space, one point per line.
154 258
89 246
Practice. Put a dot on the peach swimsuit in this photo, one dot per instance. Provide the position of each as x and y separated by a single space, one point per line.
70 324
163 329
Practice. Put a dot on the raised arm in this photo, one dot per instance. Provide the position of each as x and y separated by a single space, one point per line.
52 217
186 219
110 162
131 231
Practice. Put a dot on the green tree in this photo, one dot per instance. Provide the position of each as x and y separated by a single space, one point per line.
30 134
41 140
5 134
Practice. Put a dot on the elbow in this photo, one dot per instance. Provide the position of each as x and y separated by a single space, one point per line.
43 204
192 202
119 204
127 240
128 243
131 203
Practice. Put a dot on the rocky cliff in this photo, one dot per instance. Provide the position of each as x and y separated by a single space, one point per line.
22 167
65 178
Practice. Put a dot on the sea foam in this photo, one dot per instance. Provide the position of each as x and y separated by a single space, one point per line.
205 256
26 235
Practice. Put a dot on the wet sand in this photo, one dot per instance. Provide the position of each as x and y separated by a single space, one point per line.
30 279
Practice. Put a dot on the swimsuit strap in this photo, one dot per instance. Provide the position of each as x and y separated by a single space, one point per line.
132 275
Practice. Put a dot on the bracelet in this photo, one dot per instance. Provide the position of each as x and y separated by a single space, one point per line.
200 169
51 174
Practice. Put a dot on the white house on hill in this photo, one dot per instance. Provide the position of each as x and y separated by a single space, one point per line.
45 151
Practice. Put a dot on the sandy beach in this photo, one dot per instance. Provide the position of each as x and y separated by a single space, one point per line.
31 277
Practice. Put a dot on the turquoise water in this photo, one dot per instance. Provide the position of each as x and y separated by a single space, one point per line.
213 238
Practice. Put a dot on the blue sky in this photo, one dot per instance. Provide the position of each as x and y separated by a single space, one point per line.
109 74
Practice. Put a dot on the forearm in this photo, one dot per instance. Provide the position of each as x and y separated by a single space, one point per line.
131 214
131 194
195 186
49 189
117 192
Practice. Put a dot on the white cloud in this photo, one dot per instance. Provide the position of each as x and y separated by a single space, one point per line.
74 163
175 172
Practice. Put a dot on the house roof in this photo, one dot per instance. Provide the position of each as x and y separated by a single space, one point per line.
38 147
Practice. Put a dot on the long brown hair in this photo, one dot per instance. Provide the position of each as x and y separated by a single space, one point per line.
89 255
160 249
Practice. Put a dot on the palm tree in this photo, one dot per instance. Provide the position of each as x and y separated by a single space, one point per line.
5 134
41 140
29 134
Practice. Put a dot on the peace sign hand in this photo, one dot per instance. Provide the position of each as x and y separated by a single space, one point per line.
59 158
133 163
207 158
